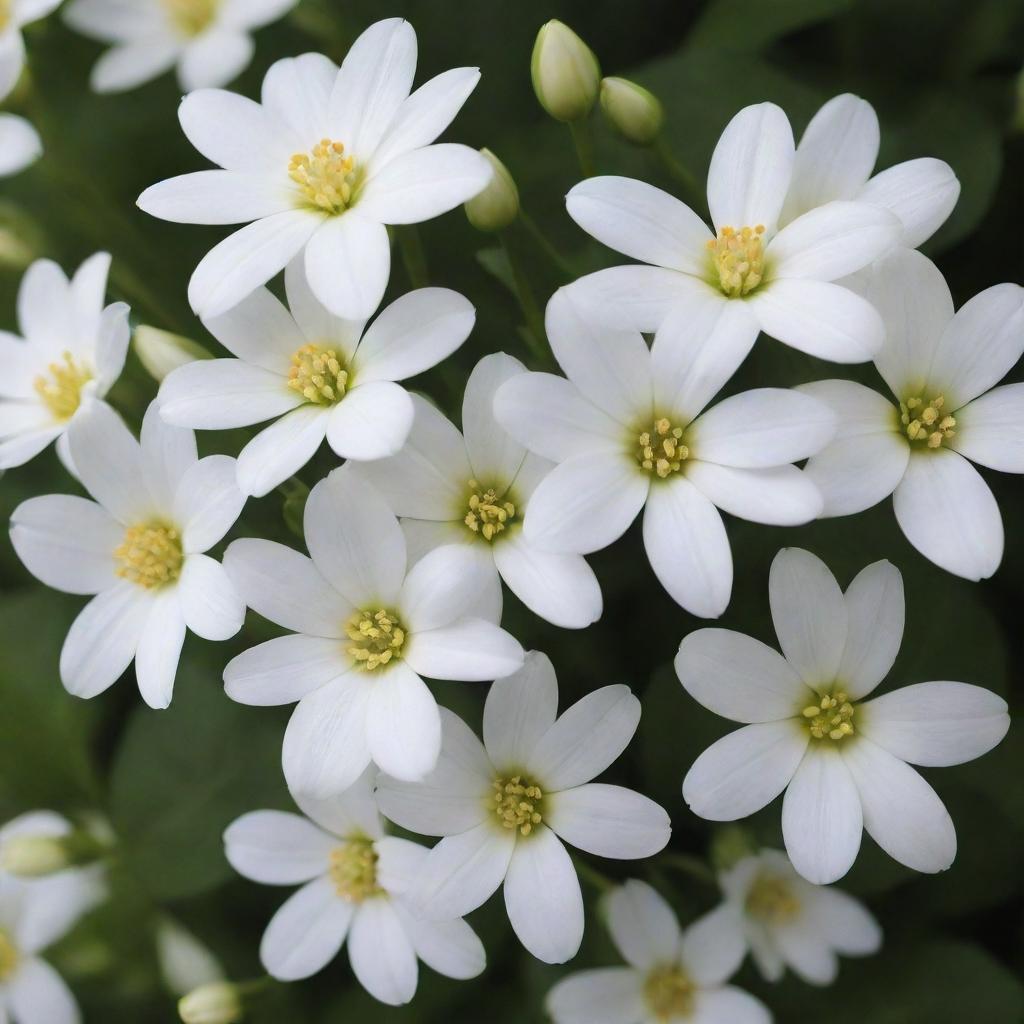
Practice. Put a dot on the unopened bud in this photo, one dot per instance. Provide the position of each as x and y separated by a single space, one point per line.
220 1002
35 856
729 846
160 351
566 74
633 111
498 205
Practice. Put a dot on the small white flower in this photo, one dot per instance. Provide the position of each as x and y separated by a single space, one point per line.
629 431
674 975
319 168
138 547
475 490
505 806
367 627
358 885
20 144
844 764
323 376
777 280
942 369
14 16
185 963
208 41
785 921
71 352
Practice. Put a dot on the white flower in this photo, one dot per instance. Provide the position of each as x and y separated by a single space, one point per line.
835 159
942 369
14 15
138 547
366 627
324 377
71 352
673 975
358 885
208 41
505 806
475 490
785 921
629 431
780 281
319 168
844 764
20 144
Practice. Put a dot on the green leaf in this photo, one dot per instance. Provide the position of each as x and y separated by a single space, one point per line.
741 26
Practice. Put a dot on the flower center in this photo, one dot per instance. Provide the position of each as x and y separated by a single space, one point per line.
353 871
831 718
486 513
191 16
326 177
518 803
925 424
660 449
5 14
376 637
737 259
771 899
318 374
9 955
150 555
61 387
669 993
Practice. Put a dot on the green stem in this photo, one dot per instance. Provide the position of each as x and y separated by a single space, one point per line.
581 139
254 986
557 259
598 880
689 865
413 257
683 176
527 303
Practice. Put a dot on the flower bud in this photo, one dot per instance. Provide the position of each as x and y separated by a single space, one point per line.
35 856
566 74
216 1003
160 351
633 111
729 846
498 205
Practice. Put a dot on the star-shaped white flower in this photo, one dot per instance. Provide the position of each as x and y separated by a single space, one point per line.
630 430
778 280
505 806
208 41
942 369
323 376
359 886
14 16
367 626
71 352
474 490
139 547
319 168
843 763
674 975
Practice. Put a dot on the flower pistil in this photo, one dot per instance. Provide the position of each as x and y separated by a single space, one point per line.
377 637
150 555
737 259
326 177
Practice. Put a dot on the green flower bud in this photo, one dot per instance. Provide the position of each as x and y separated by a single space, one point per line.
160 351
35 856
220 1002
498 205
633 111
566 74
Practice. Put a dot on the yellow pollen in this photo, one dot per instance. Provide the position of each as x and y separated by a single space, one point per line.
5 14
660 450
191 16
518 804
771 899
486 513
669 994
150 555
737 259
376 637
326 177
353 871
924 423
318 374
61 391
831 718
9 955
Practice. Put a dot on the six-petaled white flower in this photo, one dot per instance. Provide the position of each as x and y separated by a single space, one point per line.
942 368
319 168
474 488
778 280
844 763
139 547
674 976
505 806
324 377
359 886
630 431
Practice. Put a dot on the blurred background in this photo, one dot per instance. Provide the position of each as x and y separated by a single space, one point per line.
944 77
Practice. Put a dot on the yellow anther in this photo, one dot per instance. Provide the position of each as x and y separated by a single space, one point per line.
670 994
831 718
518 804
9 955
318 374
488 511
150 555
924 422
737 259
191 17
326 177
377 637
660 449
61 388
5 14
353 871
771 899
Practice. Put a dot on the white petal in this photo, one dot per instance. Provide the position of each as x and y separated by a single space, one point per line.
451 948
443 587
372 421
803 950
284 670
381 954
729 1004
130 64
403 727
990 430
315 321
948 513
519 710
297 90
714 946
608 821
259 330
277 848
167 455
281 450
609 995
212 608
217 197
876 612
399 863
20 144
156 660
464 870
494 455
354 812
17 450
642 925
780 496
922 193
113 335
638 297
348 261
37 993
46 312
207 501
470 649
214 58
844 922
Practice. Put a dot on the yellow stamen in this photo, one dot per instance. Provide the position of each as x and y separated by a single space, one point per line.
518 804
318 374
737 260
191 17
150 555
660 449
925 423
61 391
488 512
669 994
376 637
5 14
353 871
327 179
9 956
771 899
831 718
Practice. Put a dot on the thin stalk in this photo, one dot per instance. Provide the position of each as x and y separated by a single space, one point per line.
689 865
410 245
556 258
599 881
527 303
584 143
682 175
